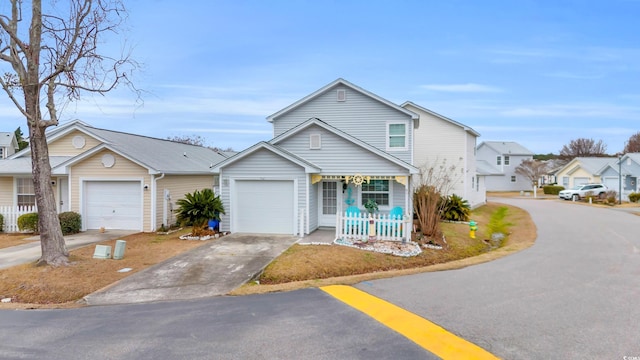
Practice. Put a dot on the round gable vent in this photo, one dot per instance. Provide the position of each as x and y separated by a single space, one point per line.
78 141
108 160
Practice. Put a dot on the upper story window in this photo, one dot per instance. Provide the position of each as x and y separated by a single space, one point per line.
498 160
506 160
513 178
1 153
396 136
26 195
378 190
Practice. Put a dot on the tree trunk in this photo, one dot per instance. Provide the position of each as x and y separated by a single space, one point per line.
54 250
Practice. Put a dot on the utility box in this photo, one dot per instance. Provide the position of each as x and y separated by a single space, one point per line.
102 252
118 253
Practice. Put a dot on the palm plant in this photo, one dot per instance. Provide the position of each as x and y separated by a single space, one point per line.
455 208
198 208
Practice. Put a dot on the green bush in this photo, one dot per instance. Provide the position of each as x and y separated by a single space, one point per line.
198 208
455 208
1 223
634 197
28 222
552 189
70 222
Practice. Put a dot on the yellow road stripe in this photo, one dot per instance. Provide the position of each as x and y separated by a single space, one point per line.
419 330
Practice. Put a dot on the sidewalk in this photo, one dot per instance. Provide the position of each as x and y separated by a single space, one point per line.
25 253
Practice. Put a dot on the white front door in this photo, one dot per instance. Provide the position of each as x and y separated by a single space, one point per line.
330 195
63 196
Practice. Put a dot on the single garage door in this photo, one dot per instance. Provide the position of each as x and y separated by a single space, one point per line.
113 205
612 183
264 206
580 181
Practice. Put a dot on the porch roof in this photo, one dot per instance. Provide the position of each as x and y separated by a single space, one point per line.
22 166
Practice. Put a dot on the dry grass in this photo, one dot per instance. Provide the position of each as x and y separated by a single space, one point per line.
309 266
57 285
301 266
9 240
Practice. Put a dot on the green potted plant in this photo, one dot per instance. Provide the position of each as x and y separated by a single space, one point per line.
371 206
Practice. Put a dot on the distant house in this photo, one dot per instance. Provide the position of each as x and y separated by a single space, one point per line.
438 140
8 144
606 170
498 160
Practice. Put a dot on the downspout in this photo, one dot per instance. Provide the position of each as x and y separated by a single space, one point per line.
154 185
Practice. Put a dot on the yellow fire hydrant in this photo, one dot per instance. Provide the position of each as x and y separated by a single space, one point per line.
473 226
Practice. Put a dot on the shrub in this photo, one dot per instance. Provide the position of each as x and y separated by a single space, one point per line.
552 189
1 223
455 208
70 222
28 222
198 208
634 197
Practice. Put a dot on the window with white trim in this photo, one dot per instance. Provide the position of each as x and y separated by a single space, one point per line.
506 160
498 160
397 136
513 178
25 192
378 190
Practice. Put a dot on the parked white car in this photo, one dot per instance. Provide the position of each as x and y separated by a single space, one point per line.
584 190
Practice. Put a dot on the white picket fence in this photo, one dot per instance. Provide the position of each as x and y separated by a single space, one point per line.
373 227
11 215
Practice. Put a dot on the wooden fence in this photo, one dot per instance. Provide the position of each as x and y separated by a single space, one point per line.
11 215
367 227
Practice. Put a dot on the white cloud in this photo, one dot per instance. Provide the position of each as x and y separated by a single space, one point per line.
469 87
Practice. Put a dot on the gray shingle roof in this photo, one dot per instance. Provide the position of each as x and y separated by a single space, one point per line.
507 147
484 168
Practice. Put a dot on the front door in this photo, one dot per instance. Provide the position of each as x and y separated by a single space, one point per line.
63 195
330 195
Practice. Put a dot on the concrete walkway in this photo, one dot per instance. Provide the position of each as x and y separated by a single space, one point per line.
31 251
209 270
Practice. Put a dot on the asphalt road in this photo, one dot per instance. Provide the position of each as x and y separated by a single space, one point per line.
573 295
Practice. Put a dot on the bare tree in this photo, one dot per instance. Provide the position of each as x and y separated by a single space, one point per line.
436 180
188 139
49 58
532 170
583 147
633 144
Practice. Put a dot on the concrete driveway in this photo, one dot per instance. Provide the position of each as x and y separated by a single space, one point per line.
210 270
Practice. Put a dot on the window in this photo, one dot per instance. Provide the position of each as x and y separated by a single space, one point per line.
499 160
26 195
513 178
378 190
477 183
506 160
397 136
473 182
1 153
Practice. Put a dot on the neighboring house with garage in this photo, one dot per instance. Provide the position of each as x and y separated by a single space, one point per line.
335 148
498 161
440 140
605 170
114 180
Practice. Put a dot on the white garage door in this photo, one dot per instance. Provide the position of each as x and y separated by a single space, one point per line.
264 206
611 183
580 181
113 205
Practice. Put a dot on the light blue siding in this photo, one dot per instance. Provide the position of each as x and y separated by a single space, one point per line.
261 165
359 116
337 156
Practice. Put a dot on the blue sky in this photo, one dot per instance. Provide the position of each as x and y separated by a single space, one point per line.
537 72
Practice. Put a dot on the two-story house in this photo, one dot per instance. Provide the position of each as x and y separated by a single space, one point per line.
441 141
498 161
335 148
8 144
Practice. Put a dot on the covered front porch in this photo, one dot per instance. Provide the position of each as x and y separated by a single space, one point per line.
341 203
